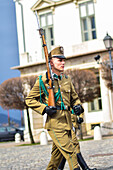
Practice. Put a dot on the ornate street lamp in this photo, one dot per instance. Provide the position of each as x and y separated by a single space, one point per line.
108 41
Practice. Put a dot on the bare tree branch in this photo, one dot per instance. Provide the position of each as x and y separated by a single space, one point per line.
13 93
85 83
106 75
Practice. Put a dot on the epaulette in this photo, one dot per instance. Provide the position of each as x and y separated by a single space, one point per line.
44 78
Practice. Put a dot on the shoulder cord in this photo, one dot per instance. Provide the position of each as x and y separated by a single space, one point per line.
57 95
42 86
72 111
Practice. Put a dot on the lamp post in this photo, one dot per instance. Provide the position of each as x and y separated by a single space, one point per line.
108 44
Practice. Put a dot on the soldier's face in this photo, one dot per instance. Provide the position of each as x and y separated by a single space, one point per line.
57 65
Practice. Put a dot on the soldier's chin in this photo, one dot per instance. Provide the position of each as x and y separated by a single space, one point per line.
61 71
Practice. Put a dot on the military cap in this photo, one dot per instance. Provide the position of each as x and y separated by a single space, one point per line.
57 52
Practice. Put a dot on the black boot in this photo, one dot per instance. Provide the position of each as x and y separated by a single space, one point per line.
62 164
77 169
82 162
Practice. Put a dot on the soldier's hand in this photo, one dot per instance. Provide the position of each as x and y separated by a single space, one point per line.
50 110
78 109
79 120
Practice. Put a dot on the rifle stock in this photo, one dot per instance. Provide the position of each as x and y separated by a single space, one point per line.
51 99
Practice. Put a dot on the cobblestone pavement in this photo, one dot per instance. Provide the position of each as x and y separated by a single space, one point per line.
97 154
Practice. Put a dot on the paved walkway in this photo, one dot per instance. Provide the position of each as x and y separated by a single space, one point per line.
97 154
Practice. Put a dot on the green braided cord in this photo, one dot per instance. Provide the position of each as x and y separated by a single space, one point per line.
45 104
57 95
40 88
62 103
41 85
55 75
62 106
72 111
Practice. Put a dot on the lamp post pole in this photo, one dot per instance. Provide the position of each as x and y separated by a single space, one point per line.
111 65
108 41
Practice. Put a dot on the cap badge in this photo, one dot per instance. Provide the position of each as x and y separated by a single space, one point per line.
62 50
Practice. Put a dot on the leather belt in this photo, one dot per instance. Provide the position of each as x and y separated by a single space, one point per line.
66 108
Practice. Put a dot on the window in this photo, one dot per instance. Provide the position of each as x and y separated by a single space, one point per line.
96 105
87 18
46 22
94 125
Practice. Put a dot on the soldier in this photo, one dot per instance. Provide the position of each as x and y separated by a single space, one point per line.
58 121
76 121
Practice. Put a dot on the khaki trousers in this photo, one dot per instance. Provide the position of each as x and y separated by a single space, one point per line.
75 141
62 146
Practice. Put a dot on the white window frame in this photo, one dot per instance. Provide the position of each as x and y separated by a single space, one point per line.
49 35
87 18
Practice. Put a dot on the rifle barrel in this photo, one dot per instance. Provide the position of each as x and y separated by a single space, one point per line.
37 20
51 99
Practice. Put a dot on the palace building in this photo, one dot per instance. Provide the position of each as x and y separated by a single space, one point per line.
80 27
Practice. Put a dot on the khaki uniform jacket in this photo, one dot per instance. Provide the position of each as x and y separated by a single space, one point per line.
62 119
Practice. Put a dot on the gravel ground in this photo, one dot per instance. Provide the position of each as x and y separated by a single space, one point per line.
97 153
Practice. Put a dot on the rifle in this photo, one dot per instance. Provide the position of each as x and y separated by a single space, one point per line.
51 99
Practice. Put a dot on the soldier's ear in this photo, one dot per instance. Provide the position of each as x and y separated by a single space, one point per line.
51 62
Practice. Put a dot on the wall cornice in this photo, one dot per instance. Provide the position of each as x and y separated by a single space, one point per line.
67 58
39 7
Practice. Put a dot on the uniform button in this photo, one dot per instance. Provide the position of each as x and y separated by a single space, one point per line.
59 85
61 91
66 106
64 99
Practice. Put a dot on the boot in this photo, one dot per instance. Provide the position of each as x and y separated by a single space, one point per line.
82 162
62 164
77 169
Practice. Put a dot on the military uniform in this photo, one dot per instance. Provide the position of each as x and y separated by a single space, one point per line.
58 125
75 127
80 158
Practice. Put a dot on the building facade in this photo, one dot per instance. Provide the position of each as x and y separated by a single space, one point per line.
79 26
